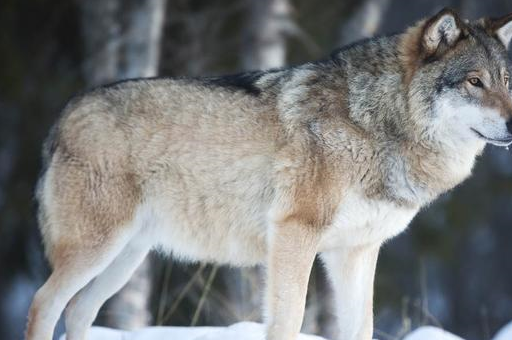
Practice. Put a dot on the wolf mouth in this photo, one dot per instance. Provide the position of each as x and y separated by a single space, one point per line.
499 142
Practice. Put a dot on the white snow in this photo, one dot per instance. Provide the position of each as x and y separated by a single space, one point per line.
251 331
505 333
238 331
431 333
434 333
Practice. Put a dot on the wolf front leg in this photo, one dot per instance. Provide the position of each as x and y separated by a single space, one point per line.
351 271
292 250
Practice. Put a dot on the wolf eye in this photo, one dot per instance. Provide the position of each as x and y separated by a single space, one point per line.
476 82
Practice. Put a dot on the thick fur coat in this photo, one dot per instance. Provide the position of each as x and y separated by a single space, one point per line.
331 157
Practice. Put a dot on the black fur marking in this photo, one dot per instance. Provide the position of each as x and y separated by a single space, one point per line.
128 80
449 79
245 81
50 145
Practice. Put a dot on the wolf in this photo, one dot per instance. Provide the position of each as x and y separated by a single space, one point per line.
332 157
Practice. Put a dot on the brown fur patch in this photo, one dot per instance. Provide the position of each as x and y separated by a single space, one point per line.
410 51
500 101
311 192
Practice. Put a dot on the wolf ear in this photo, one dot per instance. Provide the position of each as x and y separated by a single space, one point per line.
501 28
441 31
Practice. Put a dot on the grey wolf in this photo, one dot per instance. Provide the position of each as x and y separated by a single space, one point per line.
274 167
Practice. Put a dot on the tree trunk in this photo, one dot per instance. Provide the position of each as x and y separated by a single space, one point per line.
364 22
268 23
122 40
101 32
144 25
265 47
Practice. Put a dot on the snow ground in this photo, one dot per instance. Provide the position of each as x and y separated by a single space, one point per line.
431 333
505 333
251 331
238 331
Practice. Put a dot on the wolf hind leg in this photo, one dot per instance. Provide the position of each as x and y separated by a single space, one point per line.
84 307
73 268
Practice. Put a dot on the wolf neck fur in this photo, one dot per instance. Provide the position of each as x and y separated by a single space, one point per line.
415 164
432 163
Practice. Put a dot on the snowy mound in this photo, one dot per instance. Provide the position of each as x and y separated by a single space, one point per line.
250 331
505 333
434 333
431 333
238 331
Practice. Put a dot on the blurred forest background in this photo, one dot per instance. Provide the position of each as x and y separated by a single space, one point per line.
452 268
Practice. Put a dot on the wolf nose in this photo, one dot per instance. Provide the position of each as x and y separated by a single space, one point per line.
509 126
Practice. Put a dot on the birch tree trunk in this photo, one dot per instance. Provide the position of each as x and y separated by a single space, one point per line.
364 22
101 32
268 27
122 40
264 48
268 23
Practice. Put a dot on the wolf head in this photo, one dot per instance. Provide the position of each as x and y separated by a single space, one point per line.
458 76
